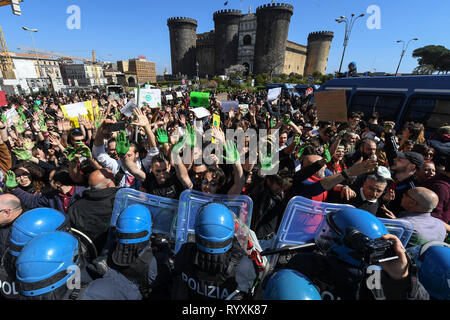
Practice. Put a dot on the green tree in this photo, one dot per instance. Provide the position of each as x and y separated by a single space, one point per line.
435 57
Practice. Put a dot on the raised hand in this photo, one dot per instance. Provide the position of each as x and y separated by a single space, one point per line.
122 143
83 150
72 154
192 136
161 135
232 153
11 181
327 153
141 119
22 154
28 144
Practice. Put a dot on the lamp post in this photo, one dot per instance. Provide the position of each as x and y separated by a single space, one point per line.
34 46
348 30
405 47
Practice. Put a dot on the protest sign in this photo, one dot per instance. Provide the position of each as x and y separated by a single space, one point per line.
114 96
222 96
199 99
3 101
331 105
243 108
228 105
215 124
169 97
128 109
201 112
179 94
150 97
273 94
71 112
11 116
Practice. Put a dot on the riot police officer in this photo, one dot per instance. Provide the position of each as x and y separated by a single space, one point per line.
288 284
26 227
50 267
215 266
434 269
130 269
341 270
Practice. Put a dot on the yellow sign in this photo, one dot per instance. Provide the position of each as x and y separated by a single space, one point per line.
216 124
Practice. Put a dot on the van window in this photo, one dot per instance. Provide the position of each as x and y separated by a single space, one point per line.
387 105
432 111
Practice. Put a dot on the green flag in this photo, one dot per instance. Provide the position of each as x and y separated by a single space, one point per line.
199 99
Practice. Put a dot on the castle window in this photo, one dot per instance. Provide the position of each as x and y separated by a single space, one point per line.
247 40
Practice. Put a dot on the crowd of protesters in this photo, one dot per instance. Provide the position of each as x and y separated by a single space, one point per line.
45 161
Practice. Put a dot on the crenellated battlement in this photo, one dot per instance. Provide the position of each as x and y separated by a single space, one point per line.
227 12
321 35
175 20
277 6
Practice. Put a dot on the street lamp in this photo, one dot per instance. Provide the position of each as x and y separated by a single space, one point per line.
348 30
405 47
34 45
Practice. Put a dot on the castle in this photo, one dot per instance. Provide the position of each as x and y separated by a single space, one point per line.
257 41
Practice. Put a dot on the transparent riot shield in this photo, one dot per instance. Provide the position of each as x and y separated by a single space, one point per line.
163 210
191 201
304 218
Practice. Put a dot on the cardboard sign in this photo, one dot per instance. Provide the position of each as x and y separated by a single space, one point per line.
169 97
331 105
179 94
215 124
150 97
3 99
199 99
201 112
228 105
273 94
222 96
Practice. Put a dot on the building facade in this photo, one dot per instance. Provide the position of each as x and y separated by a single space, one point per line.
82 75
257 41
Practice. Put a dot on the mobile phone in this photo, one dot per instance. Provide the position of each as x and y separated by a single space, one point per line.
117 126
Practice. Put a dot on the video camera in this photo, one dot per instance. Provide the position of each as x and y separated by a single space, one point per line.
372 251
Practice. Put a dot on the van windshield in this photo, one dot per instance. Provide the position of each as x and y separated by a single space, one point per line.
432 111
387 105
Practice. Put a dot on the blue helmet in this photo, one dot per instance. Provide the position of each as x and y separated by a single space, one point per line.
434 269
289 284
47 262
339 233
134 225
33 223
214 228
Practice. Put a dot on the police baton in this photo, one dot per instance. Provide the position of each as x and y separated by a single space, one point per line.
287 249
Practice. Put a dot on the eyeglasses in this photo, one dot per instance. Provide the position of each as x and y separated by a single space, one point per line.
213 183
3 210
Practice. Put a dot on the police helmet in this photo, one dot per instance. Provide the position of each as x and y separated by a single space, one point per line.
134 225
434 269
47 262
214 228
289 284
33 223
341 234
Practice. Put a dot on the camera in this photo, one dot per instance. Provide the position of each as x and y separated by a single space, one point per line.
370 251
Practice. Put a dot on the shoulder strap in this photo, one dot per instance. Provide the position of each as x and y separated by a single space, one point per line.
119 176
77 294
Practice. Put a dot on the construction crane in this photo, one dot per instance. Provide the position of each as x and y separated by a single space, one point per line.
93 61
6 65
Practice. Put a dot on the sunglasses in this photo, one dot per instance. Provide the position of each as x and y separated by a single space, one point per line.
213 183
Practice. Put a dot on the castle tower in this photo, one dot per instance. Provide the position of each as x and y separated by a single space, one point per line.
226 28
272 31
319 44
183 38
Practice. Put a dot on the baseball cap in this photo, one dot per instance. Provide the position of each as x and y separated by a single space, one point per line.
413 157
384 172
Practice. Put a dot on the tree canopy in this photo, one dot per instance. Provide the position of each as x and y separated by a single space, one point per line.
432 59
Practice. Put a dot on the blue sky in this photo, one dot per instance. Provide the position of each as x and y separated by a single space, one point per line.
126 29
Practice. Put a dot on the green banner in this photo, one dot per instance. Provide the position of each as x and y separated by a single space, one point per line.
199 99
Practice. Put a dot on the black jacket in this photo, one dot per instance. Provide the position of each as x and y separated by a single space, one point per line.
92 214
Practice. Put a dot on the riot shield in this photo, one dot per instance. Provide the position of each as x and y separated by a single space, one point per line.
304 218
191 201
163 210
